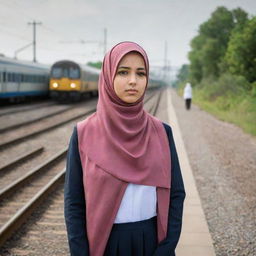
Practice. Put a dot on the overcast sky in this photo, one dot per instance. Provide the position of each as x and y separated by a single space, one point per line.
66 22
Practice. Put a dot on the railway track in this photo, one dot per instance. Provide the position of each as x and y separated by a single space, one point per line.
20 134
9 127
16 109
22 157
34 187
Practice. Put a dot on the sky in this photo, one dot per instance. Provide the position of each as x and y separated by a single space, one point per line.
74 29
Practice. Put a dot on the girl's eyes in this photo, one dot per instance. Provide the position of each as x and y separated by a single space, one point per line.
123 72
142 74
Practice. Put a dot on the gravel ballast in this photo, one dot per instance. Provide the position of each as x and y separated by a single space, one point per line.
223 160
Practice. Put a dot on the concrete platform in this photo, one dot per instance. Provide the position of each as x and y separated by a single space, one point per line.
195 237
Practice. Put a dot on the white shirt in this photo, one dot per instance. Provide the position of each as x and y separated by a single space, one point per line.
138 203
187 91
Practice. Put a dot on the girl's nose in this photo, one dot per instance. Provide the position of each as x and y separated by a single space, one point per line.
132 80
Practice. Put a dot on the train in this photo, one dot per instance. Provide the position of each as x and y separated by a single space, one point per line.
64 80
71 81
21 79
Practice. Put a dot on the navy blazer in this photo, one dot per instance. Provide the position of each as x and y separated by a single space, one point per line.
75 207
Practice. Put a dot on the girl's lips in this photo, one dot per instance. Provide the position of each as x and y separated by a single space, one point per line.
131 92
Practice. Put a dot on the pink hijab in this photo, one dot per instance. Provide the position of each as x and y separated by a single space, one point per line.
119 144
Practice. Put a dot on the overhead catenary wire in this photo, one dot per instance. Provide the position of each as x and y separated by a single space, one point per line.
13 30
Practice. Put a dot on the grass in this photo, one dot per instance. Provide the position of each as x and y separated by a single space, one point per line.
237 108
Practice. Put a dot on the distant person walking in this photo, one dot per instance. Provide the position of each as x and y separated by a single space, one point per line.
187 95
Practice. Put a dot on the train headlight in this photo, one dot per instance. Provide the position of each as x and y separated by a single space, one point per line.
55 85
73 85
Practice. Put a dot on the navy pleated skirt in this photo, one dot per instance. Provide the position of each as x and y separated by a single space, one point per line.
133 239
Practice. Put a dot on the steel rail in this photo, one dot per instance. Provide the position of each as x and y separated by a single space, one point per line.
11 188
25 108
21 158
21 215
13 126
44 129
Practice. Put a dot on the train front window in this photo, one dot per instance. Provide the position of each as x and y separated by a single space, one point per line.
74 73
57 72
65 70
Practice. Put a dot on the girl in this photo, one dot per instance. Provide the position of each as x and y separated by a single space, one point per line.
123 188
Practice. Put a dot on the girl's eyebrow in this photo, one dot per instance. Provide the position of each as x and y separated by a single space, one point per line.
130 68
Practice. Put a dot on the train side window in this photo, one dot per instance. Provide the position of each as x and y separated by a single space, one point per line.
4 77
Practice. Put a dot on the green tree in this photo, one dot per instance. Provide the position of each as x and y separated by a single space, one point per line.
183 73
196 60
240 18
95 64
241 53
209 47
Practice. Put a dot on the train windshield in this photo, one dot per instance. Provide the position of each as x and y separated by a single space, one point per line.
74 73
57 72
69 72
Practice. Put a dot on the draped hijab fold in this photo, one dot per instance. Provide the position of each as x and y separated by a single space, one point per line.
119 144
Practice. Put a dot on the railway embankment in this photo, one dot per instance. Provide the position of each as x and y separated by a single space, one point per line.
223 161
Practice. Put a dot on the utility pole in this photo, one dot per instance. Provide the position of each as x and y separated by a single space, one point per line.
34 23
105 42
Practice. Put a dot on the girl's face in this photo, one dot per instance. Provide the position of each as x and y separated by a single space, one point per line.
131 78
